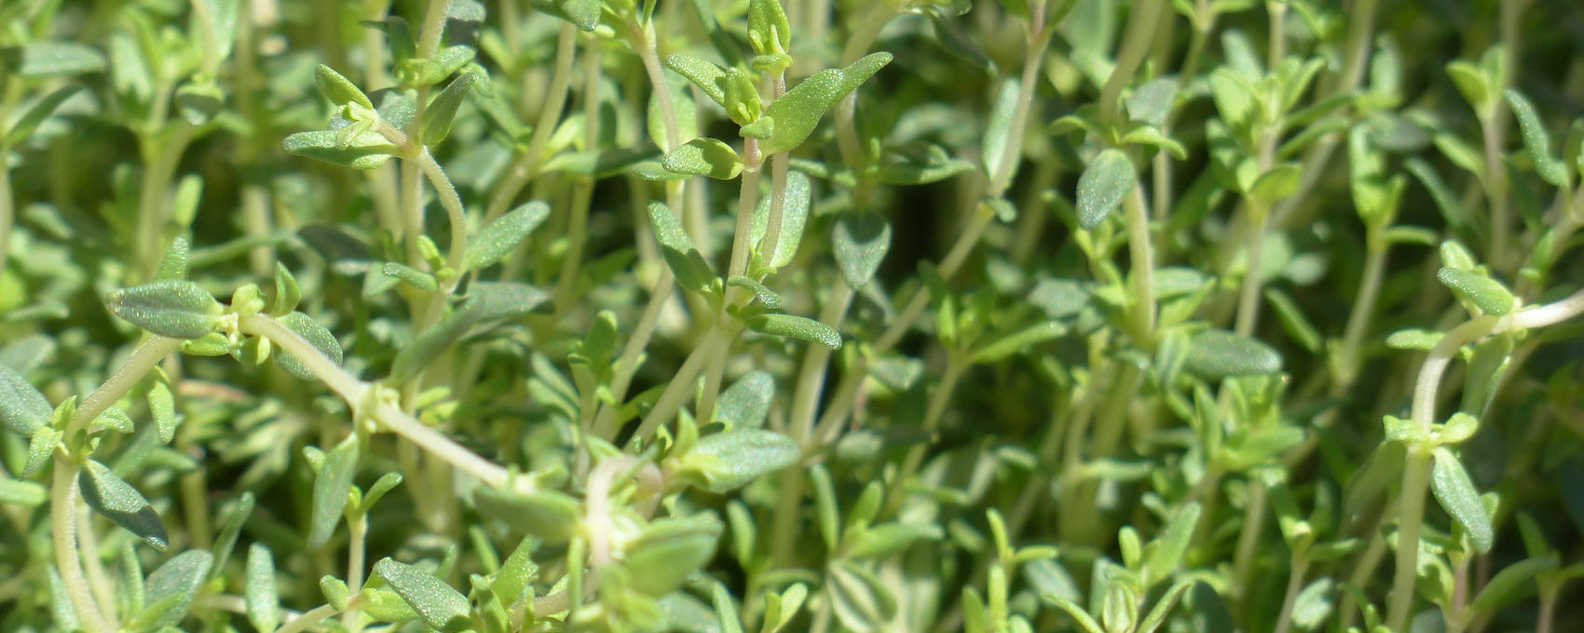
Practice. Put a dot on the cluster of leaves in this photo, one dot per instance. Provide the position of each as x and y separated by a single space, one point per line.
783 315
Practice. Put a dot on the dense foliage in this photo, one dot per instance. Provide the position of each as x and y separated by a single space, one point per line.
791 315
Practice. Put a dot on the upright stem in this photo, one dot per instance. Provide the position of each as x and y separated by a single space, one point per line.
681 384
449 199
1295 578
1135 46
523 169
63 524
433 27
7 210
1416 479
1143 268
862 37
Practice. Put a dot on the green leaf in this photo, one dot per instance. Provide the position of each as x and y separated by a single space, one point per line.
708 77
670 550
435 122
317 335
689 266
825 510
999 127
330 489
861 601
768 30
884 540
40 448
860 242
1537 141
287 293
1509 584
1151 102
171 308
546 514
1164 553
732 459
800 109
1472 83
797 327
51 58
113 419
338 89
22 493
1076 612
766 297
171 589
36 113
704 157
1218 354
118 501
259 592
336 592
162 407
1455 492
798 200
745 404
1163 607
1107 179
1281 181
1017 342
1293 320
419 279
1489 295
440 606
486 301
362 150
583 13
499 238
23 408
199 101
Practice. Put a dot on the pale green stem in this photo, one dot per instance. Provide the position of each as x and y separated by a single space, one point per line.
207 38
1416 479
63 525
98 580
811 376
7 209
142 360
523 169
747 199
1363 310
1012 152
356 394
1143 267
1547 614
1295 578
1361 25
357 530
682 383
862 37
778 184
1496 189
1248 299
627 364
433 27
933 410
453 205
303 622
1135 45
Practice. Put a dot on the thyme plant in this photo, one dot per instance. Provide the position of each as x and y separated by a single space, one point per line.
790 315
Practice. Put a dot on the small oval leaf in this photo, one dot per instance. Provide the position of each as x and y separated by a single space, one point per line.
172 308
118 501
1103 185
1219 354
